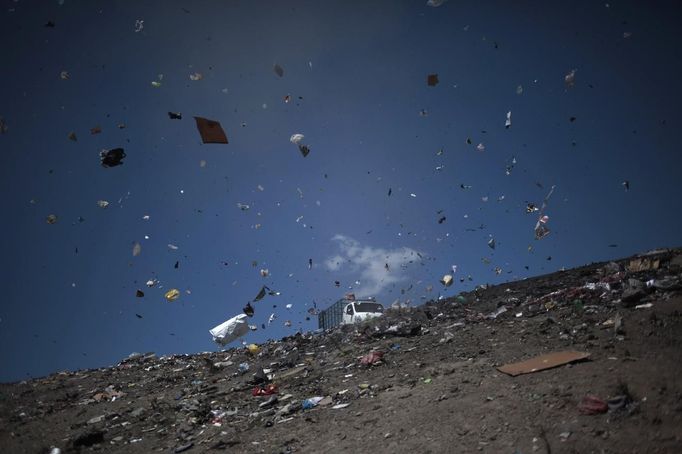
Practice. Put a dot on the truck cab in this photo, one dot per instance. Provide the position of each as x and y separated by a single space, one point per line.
361 310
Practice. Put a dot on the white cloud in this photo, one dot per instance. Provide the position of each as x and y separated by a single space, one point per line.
368 264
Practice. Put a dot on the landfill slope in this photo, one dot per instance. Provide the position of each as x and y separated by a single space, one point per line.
421 380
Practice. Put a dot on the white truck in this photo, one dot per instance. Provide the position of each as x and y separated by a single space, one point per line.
349 310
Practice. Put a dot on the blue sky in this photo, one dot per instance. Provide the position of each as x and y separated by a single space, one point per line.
356 75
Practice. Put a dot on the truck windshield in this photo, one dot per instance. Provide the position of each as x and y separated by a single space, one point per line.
368 307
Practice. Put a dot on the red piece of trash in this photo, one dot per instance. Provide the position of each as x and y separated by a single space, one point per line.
371 358
268 390
592 405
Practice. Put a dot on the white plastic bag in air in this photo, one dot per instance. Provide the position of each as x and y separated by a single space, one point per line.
230 330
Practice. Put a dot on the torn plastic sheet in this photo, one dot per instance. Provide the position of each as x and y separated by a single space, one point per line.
261 294
230 330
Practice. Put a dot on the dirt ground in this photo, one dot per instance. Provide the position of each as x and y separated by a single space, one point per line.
436 389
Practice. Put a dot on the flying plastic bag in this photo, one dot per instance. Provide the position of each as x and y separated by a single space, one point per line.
230 330
172 295
296 139
541 229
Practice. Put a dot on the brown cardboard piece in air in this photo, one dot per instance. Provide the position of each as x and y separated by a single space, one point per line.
210 131
542 362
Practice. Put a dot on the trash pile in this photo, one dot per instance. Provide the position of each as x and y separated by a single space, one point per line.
576 360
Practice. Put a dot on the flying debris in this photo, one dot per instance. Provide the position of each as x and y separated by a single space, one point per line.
510 166
210 131
491 243
278 70
297 140
310 264
137 248
541 229
175 115
248 310
569 78
172 295
432 80
112 158
102 203
3 126
530 208
261 294
480 147
626 185
243 206
139 25
139 294
51 219
230 330
72 136
446 280
507 122
435 3
519 89
196 76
